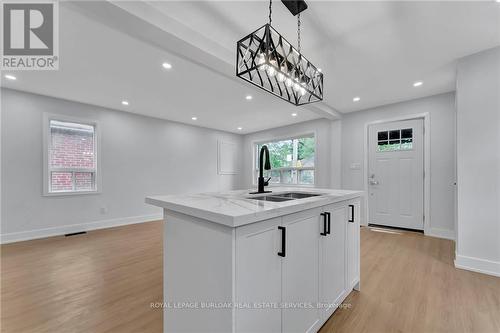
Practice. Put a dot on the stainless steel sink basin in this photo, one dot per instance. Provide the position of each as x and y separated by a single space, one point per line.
279 197
297 195
271 198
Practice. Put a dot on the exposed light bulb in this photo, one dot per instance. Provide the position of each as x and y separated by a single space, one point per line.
281 77
271 69
261 59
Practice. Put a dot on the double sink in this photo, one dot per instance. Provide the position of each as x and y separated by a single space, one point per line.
279 197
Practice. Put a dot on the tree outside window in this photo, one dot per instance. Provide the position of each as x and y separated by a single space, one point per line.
292 160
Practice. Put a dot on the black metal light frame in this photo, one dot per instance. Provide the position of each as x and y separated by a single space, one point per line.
285 60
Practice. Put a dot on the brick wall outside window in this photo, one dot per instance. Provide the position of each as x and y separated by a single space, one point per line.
71 157
72 149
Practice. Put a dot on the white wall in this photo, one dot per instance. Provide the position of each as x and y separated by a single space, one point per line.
327 133
140 156
441 109
478 162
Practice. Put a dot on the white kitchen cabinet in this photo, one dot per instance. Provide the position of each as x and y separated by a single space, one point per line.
300 267
237 265
333 266
280 259
307 262
353 246
258 276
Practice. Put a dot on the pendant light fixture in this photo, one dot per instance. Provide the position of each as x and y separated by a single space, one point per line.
267 60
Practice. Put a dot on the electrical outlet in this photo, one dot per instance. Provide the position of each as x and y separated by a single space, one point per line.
104 210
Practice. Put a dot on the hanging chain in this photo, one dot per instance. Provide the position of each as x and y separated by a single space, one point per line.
270 11
298 32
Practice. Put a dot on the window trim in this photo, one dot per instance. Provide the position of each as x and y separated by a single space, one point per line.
47 117
299 135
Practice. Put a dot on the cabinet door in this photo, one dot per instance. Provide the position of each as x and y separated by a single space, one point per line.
333 260
354 211
258 276
301 272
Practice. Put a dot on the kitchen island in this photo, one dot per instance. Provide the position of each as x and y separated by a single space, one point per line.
273 262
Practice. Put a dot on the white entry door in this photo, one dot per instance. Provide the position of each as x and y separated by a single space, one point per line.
396 174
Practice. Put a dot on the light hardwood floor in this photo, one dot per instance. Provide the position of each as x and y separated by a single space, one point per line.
105 281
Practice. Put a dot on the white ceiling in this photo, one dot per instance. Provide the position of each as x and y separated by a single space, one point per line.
375 50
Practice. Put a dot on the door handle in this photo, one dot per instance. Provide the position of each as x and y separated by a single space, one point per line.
283 241
373 182
325 228
351 219
329 219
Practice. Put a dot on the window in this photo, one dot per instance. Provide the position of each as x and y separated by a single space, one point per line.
292 160
71 157
394 140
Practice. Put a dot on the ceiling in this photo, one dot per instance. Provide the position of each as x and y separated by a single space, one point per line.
113 51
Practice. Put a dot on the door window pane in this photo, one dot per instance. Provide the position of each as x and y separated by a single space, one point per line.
406 144
394 134
407 133
395 140
382 136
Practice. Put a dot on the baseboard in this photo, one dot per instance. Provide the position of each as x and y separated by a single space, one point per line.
68 229
440 233
478 265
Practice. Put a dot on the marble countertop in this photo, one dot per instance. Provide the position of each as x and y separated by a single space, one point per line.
236 208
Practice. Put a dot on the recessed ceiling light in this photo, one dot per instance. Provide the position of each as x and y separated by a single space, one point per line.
194 118
125 102
240 128
10 77
418 84
294 114
249 97
356 99
166 65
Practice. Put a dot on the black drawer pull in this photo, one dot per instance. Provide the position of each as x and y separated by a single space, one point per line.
283 242
329 219
325 228
351 219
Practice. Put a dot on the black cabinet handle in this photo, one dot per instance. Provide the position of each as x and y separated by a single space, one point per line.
325 228
329 219
351 219
283 242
